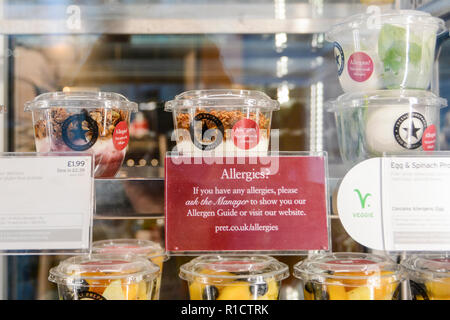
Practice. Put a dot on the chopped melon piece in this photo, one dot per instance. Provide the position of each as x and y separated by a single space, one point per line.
438 289
130 291
360 293
114 291
237 291
336 291
196 290
142 291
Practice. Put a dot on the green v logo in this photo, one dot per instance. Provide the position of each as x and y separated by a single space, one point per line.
361 198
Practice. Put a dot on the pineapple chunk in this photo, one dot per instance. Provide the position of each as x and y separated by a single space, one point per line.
114 291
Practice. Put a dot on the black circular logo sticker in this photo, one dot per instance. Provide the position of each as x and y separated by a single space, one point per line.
339 57
206 131
79 132
89 295
408 130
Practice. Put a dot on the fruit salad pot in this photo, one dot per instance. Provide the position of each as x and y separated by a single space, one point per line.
212 277
428 276
349 276
143 248
105 277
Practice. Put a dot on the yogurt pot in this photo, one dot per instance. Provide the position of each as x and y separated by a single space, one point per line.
428 276
391 121
105 277
391 50
143 248
230 277
222 121
96 122
349 276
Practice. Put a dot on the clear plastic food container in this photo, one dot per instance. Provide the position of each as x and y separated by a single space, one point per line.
105 277
429 276
212 277
144 248
349 276
95 122
392 50
222 121
392 121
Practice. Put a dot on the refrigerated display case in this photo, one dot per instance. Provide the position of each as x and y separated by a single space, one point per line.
150 51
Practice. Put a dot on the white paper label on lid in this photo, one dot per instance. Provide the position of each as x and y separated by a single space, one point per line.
46 202
398 203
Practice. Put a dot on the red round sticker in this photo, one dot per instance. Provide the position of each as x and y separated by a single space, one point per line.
121 136
360 66
245 134
429 138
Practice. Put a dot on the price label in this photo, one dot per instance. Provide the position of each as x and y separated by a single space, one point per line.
275 203
46 202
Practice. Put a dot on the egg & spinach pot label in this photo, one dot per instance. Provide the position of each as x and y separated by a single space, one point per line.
267 203
398 203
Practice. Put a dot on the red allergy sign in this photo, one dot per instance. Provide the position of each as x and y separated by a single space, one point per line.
429 138
360 66
121 135
245 134
241 207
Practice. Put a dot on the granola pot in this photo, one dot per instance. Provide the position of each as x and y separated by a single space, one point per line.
84 122
222 121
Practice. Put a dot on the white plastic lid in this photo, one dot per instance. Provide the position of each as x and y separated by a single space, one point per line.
97 268
434 265
380 98
396 17
222 98
363 265
82 100
246 268
144 248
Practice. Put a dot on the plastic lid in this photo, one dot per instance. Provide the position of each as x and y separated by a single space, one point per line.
396 17
363 265
222 98
433 264
82 100
250 268
380 98
97 268
146 248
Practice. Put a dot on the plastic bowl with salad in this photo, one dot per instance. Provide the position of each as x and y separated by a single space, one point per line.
391 50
